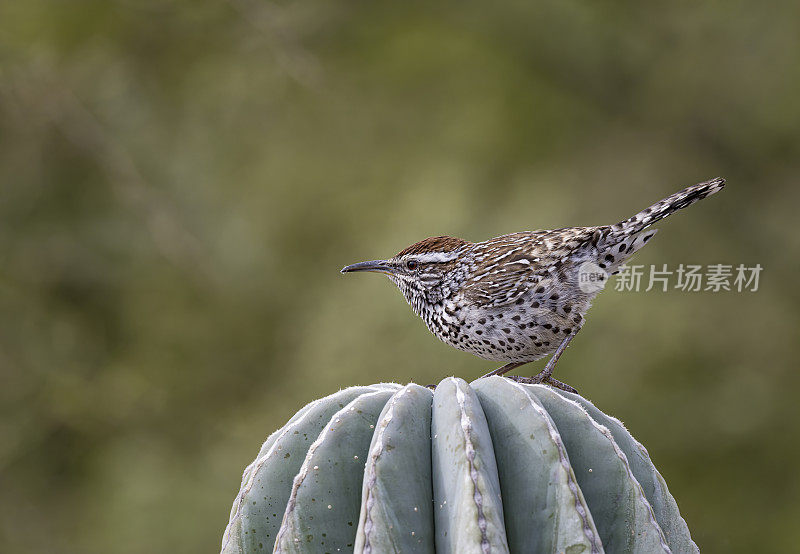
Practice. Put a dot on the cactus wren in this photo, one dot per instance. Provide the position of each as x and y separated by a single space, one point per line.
519 297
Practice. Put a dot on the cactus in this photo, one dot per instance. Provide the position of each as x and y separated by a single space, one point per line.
492 466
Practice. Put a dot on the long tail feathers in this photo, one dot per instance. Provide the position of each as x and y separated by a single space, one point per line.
619 242
668 206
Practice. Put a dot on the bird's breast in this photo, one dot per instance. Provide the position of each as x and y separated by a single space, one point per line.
525 330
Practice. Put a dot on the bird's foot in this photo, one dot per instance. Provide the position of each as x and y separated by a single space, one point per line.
523 380
555 383
542 379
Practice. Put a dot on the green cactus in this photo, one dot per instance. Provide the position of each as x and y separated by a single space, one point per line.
492 466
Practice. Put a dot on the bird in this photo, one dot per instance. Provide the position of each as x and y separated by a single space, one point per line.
519 297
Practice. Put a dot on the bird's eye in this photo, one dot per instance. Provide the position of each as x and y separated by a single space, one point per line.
411 264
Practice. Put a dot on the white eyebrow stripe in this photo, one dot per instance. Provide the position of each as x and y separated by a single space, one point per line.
434 257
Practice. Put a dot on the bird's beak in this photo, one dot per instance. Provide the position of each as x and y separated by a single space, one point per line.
375 265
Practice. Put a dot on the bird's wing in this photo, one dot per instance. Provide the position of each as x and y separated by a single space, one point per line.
506 267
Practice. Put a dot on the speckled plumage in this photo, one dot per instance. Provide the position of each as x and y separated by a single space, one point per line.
516 298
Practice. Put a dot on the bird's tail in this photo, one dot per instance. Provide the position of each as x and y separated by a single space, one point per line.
668 206
617 243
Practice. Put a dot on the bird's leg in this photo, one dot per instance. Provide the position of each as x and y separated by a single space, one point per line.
545 376
506 368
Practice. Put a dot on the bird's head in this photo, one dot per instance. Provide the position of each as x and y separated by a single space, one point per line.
425 272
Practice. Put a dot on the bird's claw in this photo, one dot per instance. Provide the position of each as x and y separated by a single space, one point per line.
523 380
555 383
536 380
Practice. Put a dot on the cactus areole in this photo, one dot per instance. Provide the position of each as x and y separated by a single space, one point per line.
491 466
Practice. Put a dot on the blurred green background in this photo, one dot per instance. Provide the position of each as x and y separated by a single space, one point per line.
180 183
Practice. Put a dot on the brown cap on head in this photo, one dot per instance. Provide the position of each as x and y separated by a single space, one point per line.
433 244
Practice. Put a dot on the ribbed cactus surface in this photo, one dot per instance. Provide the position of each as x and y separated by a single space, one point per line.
492 466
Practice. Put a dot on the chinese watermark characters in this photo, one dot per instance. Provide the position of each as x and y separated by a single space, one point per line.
689 278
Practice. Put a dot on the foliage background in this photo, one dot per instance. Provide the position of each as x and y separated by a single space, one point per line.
181 181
